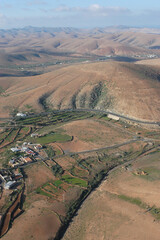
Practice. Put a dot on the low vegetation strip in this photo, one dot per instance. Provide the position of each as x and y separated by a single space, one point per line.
136 201
24 131
42 192
5 136
74 181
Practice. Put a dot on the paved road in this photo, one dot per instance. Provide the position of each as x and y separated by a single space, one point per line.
110 112
92 110
87 151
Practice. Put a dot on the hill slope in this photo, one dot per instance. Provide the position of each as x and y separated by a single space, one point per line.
126 88
19 46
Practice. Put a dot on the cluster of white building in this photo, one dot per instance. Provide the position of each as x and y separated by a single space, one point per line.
30 151
8 180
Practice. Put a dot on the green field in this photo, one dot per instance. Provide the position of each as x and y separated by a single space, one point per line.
49 188
54 137
74 181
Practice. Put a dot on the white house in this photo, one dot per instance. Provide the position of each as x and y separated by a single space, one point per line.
9 184
21 115
15 149
111 116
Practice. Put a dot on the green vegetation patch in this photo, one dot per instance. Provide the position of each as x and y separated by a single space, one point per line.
57 170
54 118
79 172
23 132
3 135
10 136
153 210
2 92
152 173
40 191
135 201
95 95
50 152
50 188
25 129
74 181
57 183
54 137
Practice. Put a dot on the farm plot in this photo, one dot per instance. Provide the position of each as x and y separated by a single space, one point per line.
53 189
86 136
12 135
54 137
74 181
23 132
80 172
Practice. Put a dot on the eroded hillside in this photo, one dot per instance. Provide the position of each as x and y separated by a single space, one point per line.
129 89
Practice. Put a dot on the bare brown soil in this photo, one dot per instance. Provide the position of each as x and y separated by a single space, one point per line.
42 215
37 175
152 62
39 222
76 146
105 216
66 162
86 136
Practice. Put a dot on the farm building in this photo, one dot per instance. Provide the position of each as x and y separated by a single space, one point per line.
15 149
21 115
12 163
34 135
18 177
9 184
113 117
38 147
27 159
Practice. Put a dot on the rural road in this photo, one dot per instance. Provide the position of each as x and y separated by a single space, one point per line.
87 151
104 112
147 122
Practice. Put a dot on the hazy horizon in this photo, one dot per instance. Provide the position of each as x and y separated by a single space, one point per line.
84 14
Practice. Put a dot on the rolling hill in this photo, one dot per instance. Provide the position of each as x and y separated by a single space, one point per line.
19 46
125 88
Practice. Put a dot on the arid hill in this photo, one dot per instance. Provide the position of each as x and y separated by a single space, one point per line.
126 88
32 45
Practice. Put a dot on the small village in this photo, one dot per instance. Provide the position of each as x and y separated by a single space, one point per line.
24 154
28 153
12 180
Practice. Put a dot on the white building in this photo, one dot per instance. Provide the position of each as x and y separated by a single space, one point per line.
9 184
111 116
21 115
15 149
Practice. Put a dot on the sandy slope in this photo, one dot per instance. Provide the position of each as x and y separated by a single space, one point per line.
129 89
104 216
32 44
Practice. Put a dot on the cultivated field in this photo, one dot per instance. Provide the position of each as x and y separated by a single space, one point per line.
53 162
62 175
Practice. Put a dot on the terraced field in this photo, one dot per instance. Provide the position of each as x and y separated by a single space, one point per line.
75 158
